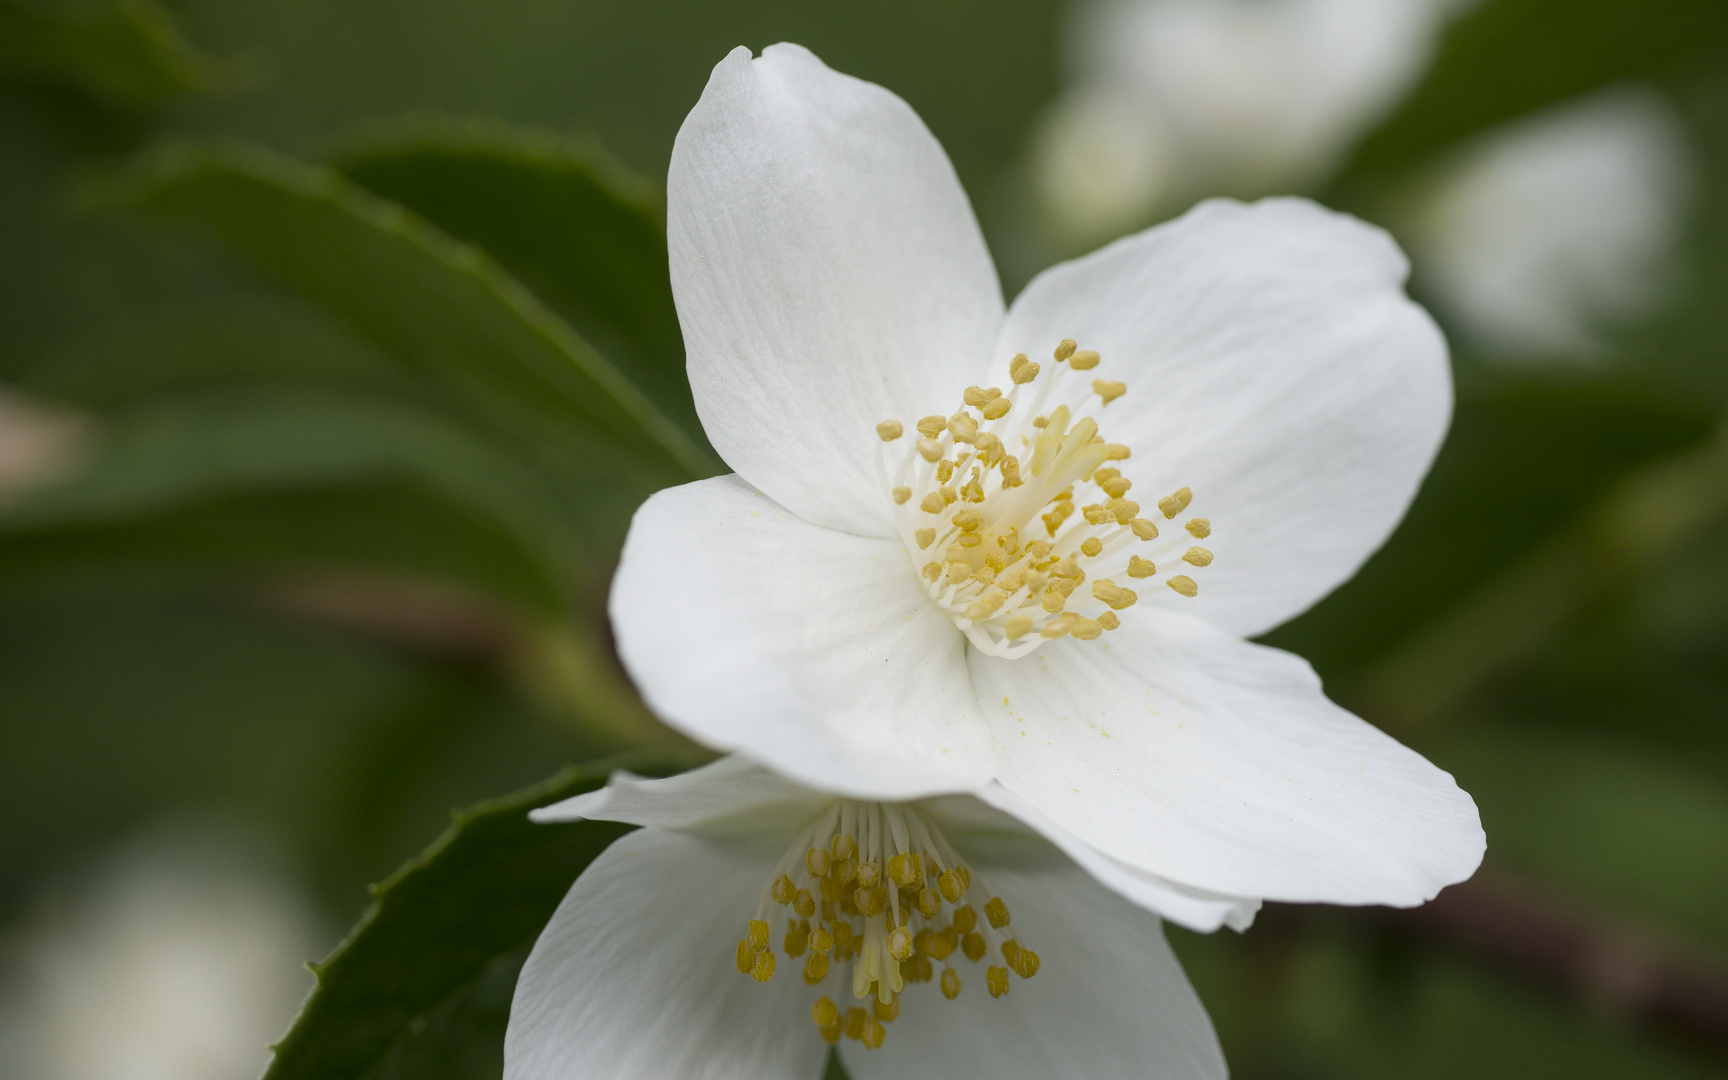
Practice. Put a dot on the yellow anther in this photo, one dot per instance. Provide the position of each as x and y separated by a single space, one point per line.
825 1012
804 904
950 984
815 968
1023 374
1115 486
1123 510
1106 472
816 861
1116 452
746 957
869 874
965 919
975 397
756 933
932 570
1059 626
943 942
797 937
1085 629
973 946
1183 584
944 471
1197 556
1176 502
1199 528
1053 520
1117 597
929 902
1084 360
932 503
900 943
901 494
997 409
906 868
997 912
855 1021
948 884
1010 949
1108 389
887 1013
996 978
1141 568
929 449
948 495
841 847
889 430
1053 602
991 393
964 428
917 969
1025 963
1097 515
1017 627
763 968
925 537
1040 421
970 540
1010 469
821 941
968 520
1144 529
873 1035
973 491
932 426
782 890
1109 621
1091 546
1066 349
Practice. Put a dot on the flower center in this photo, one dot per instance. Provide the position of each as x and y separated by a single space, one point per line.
877 887
987 504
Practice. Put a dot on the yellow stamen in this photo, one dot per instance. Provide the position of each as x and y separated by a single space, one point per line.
889 430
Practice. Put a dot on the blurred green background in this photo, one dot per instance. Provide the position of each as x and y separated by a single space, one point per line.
336 348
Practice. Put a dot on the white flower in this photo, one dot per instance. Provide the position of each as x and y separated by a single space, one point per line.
1177 99
754 921
1540 236
180 962
979 603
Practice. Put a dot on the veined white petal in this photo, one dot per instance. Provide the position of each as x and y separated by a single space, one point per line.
1109 1001
1220 765
811 650
634 976
731 796
1194 908
1276 368
829 274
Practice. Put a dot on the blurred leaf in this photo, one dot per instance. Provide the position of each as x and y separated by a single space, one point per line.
125 52
279 478
588 237
1509 57
440 307
421 987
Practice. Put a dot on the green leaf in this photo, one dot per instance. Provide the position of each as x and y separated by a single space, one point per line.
285 478
125 52
421 987
586 235
441 308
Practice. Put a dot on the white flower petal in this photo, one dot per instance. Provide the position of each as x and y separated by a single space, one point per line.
1196 909
634 975
1218 764
829 275
1109 1000
728 797
811 650
1275 366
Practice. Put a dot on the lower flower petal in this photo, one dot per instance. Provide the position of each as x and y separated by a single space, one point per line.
635 974
1109 999
811 650
1208 761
